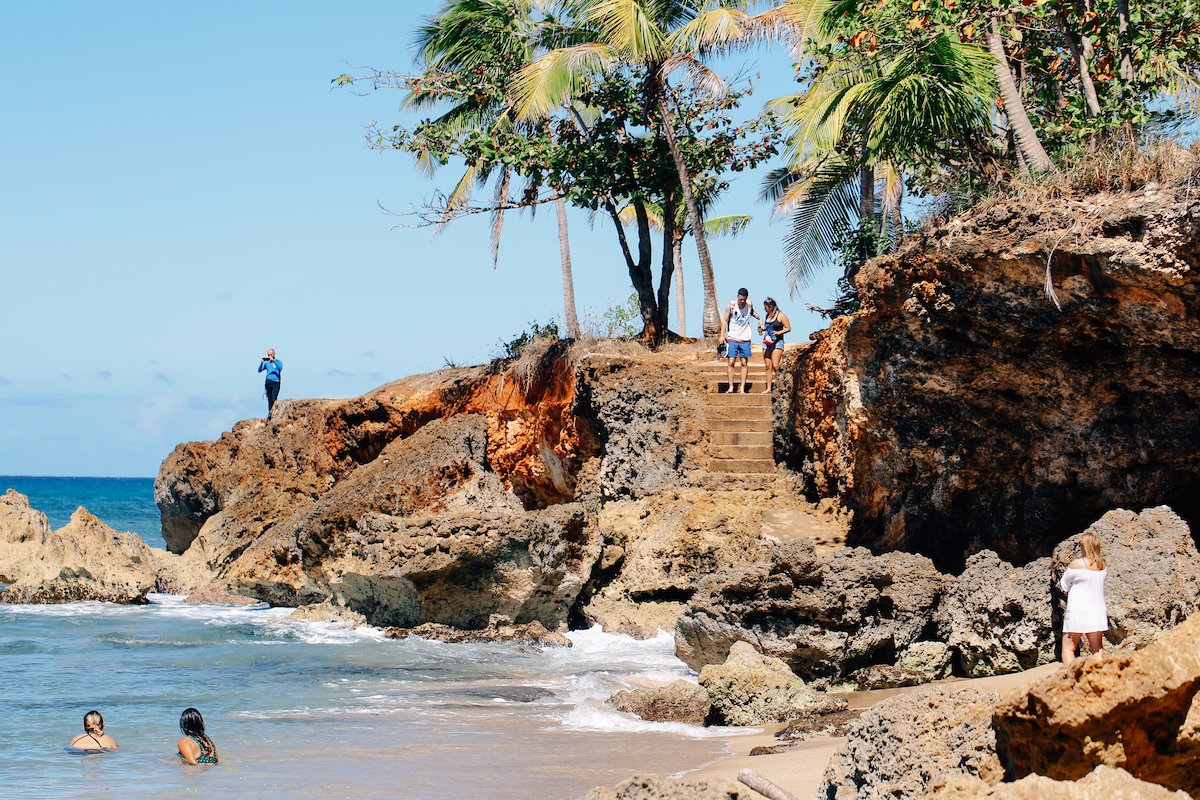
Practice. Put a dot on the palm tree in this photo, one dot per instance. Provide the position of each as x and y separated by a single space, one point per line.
1028 144
478 35
871 117
657 38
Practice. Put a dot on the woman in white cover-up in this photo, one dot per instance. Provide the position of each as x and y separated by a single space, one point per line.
1087 614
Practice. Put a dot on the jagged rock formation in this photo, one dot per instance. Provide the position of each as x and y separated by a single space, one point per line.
681 701
907 747
754 689
83 560
823 616
1137 710
959 410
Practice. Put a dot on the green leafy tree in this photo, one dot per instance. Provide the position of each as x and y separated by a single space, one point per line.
653 40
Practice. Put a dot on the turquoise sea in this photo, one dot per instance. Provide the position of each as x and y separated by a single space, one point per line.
310 710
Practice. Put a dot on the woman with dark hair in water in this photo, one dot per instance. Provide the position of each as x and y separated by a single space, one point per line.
195 747
93 736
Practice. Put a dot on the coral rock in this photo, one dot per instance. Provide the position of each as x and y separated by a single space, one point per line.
753 689
681 701
1136 710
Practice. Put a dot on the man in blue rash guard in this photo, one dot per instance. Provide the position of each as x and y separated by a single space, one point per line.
274 369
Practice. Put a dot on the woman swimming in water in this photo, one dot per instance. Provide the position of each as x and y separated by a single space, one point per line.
195 747
93 736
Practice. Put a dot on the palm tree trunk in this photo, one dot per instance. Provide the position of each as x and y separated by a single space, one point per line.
568 279
1125 40
712 315
1018 120
643 281
1078 47
668 264
680 315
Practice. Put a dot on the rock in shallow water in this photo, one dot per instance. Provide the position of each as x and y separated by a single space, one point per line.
681 701
499 629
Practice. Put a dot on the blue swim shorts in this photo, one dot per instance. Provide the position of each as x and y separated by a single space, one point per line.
738 349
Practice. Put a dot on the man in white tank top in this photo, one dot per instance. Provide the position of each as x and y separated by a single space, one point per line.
736 336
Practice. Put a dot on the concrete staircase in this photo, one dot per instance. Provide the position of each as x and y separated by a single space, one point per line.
740 425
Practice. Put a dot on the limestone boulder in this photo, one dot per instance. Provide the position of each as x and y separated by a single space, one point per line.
885 676
83 560
823 615
1153 580
1137 710
933 660
999 617
908 746
1102 783
652 787
499 630
754 689
681 701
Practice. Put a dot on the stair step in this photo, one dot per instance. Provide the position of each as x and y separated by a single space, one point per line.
740 399
750 466
739 423
751 434
742 451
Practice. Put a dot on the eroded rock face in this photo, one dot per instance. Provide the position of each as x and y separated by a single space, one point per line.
83 560
1102 783
908 746
823 616
753 689
681 701
960 411
998 617
1136 710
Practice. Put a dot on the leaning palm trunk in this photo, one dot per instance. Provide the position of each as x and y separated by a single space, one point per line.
677 255
568 279
712 316
1026 137
1079 48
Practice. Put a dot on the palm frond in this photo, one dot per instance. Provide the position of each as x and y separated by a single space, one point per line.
552 79
630 28
654 214
707 82
720 28
731 225
820 204
501 199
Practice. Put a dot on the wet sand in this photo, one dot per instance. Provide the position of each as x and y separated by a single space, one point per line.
801 769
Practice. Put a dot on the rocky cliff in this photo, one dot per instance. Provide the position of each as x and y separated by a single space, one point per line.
960 410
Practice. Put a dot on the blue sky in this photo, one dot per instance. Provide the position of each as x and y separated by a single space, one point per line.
182 188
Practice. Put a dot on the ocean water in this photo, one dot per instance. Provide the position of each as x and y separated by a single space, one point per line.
301 709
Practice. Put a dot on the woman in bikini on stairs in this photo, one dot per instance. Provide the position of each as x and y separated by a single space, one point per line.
195 747
774 325
93 737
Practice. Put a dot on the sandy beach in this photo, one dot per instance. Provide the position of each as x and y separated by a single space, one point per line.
800 770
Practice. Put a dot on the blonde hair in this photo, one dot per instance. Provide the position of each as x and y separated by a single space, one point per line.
1091 550
93 722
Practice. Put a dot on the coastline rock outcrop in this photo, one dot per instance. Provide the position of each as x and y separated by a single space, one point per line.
959 410
681 701
83 560
909 746
754 689
1102 783
1137 710
823 616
